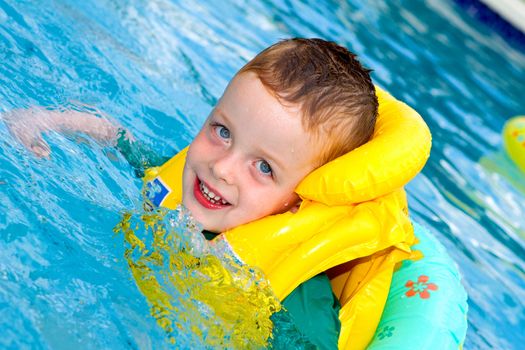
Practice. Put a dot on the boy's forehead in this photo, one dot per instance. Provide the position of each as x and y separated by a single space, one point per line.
249 83
267 125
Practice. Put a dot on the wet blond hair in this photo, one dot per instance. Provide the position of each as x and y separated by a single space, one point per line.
334 91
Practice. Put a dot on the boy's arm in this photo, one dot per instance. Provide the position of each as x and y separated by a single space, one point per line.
29 125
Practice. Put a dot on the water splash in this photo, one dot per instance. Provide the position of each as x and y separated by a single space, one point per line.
197 290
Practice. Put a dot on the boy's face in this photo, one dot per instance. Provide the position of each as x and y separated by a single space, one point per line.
247 159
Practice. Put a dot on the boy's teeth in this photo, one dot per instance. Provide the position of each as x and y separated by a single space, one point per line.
212 197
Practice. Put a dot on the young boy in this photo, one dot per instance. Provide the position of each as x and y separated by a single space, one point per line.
296 106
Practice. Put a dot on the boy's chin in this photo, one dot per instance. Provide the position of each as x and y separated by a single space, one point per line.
210 225
212 228
204 220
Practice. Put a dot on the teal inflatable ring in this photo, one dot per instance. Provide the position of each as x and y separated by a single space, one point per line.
427 304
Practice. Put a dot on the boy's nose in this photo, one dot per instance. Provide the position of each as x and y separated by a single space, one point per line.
224 167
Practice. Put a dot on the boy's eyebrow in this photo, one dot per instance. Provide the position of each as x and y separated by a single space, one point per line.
222 114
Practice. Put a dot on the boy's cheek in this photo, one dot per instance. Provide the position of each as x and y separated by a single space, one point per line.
187 175
291 204
198 151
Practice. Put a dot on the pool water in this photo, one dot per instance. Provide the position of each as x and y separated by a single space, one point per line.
158 67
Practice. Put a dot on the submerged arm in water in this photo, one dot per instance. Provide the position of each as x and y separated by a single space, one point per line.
29 125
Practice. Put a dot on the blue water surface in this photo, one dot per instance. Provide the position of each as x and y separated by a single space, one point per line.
158 67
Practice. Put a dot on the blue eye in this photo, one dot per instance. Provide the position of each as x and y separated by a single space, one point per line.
264 167
222 132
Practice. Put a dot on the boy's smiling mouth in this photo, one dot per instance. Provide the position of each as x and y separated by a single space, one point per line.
207 197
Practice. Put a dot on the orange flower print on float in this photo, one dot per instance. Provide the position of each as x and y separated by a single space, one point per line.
420 287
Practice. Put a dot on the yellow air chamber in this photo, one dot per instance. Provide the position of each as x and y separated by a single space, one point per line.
353 221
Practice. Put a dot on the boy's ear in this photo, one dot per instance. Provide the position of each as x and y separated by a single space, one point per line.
295 208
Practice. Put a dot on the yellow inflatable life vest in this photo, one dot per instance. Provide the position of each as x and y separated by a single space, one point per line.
353 221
